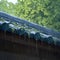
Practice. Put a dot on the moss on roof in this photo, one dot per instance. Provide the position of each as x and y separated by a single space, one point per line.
26 31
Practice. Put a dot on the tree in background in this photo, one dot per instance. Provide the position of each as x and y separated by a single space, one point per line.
42 12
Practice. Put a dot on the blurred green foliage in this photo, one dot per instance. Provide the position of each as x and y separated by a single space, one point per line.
42 12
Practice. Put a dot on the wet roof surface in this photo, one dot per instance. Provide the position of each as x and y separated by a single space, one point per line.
26 31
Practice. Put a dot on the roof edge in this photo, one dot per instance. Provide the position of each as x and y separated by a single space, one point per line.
36 26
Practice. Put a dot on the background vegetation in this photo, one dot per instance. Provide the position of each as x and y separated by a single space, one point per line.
42 12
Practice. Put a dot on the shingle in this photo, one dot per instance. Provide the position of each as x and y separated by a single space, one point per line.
31 34
37 36
5 26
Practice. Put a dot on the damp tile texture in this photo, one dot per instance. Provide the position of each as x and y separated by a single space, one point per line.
20 30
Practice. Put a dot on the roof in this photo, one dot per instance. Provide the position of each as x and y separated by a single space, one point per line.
27 30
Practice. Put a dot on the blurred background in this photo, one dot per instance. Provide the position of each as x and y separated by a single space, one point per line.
42 12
